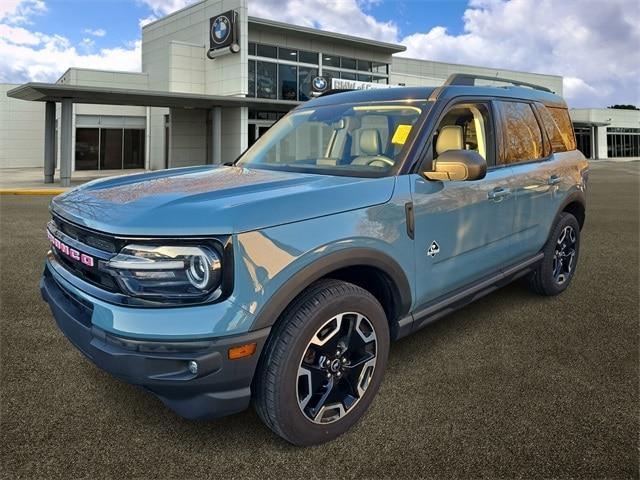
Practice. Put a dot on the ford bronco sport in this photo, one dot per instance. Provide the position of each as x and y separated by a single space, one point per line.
281 278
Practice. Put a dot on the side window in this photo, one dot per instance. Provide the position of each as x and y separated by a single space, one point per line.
563 122
521 138
552 129
466 126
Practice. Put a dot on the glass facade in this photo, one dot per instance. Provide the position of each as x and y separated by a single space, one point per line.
286 74
623 142
583 140
109 148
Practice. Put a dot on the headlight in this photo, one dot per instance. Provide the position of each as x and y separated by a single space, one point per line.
167 272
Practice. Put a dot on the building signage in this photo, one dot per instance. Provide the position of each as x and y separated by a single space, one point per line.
319 84
223 33
343 84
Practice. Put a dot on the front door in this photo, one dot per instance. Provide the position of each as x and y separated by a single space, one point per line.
463 229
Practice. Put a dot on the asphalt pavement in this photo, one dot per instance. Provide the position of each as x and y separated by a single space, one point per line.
513 386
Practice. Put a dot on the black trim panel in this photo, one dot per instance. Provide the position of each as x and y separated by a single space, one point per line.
444 305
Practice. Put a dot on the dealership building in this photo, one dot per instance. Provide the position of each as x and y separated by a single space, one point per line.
213 80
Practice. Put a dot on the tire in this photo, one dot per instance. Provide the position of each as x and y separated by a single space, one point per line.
294 366
551 278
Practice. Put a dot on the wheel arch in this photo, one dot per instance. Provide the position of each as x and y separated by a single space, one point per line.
576 205
370 269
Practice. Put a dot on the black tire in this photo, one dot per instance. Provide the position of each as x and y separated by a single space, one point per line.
545 279
277 380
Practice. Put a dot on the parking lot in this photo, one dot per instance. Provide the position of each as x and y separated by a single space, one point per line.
514 385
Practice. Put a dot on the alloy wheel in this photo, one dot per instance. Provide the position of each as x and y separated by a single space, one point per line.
336 367
564 255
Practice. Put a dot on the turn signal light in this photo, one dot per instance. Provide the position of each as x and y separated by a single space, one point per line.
242 351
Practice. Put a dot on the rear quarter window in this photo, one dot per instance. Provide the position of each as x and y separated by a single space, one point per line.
563 124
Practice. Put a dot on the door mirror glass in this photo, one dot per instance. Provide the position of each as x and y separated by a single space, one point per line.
458 165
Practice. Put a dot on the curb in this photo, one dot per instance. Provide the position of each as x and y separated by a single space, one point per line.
32 191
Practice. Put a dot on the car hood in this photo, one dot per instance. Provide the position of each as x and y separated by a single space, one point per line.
214 200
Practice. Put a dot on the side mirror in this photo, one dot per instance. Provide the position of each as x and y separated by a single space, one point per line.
458 165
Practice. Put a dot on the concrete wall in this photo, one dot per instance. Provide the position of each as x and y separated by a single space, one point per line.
188 142
614 117
174 52
415 73
234 132
21 131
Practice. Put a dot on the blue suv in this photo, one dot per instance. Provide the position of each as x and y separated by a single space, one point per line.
281 278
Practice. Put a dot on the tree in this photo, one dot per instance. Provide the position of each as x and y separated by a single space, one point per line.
624 107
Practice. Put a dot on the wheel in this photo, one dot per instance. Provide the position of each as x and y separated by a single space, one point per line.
323 363
556 270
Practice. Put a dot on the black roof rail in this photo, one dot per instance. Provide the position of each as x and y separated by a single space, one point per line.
468 79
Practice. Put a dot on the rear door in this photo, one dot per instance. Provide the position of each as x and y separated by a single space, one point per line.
525 146
463 229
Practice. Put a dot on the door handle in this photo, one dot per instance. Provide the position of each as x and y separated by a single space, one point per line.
553 180
499 193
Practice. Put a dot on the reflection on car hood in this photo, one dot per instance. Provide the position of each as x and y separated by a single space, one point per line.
214 200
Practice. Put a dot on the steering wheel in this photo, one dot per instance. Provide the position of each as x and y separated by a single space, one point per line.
380 159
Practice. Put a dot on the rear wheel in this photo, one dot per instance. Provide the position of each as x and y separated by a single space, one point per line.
555 272
323 364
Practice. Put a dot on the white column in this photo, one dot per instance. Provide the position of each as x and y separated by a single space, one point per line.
66 141
49 141
216 135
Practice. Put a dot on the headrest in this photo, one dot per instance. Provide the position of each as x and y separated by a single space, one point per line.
370 142
450 137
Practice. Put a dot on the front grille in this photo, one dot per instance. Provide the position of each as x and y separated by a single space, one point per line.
93 275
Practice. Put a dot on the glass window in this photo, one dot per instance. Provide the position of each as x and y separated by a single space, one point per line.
87 148
331 61
553 132
321 140
378 67
287 54
364 65
349 63
329 75
288 81
348 76
521 138
252 79
252 48
364 78
380 80
308 57
563 121
266 79
110 148
469 128
267 51
133 151
305 77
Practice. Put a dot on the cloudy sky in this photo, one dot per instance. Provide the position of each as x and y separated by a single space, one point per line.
593 44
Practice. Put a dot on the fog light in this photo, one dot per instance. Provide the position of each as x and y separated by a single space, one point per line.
193 367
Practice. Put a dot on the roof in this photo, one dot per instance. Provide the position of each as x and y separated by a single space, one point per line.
389 48
51 92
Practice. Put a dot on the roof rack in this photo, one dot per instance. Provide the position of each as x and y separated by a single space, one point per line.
468 79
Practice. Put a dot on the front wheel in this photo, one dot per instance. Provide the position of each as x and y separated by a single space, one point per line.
323 363
558 266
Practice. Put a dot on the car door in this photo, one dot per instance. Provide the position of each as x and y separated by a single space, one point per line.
463 229
525 147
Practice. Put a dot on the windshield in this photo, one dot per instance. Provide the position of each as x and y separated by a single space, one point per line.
356 140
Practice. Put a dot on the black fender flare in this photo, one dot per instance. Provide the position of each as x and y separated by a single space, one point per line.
350 257
577 196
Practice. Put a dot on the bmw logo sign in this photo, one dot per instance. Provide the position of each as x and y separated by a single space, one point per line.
320 84
220 30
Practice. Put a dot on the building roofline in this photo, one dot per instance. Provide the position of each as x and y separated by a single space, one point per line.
467 65
168 15
390 47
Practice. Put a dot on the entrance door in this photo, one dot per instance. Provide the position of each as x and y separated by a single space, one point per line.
257 129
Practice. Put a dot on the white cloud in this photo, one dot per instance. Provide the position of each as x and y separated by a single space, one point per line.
147 20
19 11
345 16
98 32
594 45
33 56
164 7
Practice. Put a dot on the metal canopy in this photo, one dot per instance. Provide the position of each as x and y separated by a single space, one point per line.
53 92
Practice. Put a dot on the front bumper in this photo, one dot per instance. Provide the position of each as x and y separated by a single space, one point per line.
220 387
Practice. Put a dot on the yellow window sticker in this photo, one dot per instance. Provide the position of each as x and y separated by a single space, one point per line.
401 134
